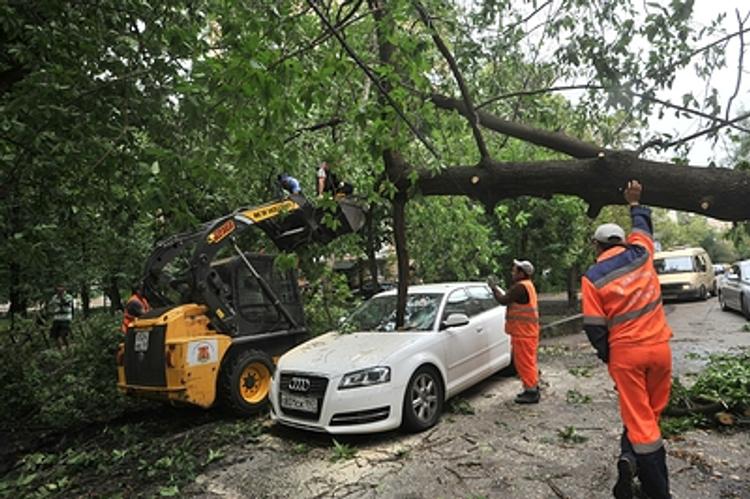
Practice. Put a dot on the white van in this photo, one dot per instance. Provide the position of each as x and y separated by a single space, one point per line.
685 273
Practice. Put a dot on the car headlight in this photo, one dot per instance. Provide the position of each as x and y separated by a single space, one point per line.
686 286
365 377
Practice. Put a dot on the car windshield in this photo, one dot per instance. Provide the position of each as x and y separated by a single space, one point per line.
673 265
379 313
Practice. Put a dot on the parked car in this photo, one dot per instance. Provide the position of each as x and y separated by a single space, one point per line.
685 273
377 378
734 288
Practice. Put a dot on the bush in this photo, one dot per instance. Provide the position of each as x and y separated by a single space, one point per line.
50 388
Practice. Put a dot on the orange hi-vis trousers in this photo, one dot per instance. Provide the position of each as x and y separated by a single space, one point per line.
524 359
643 377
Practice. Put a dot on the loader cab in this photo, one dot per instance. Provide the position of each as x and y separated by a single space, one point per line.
255 310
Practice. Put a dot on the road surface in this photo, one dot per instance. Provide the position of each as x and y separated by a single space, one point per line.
565 447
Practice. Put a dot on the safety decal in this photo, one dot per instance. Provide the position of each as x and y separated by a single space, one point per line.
221 232
268 211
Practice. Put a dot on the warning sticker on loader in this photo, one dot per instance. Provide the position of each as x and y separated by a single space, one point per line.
202 352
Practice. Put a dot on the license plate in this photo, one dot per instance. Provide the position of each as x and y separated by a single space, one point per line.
299 403
141 341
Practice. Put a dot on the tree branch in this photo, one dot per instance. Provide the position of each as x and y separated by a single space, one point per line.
716 192
332 123
707 131
671 105
374 79
739 65
471 114
556 141
344 23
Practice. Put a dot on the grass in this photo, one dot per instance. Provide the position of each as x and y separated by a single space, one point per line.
570 435
576 397
460 406
581 371
342 452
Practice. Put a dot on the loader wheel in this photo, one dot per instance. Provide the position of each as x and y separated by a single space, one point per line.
246 381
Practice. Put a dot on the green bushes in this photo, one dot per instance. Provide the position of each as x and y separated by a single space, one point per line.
49 388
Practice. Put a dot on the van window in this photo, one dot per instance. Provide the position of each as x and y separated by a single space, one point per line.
700 264
674 265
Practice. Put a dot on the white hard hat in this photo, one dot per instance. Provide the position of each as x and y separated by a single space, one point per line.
524 265
609 234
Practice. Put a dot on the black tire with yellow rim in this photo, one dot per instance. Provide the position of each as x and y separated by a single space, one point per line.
246 381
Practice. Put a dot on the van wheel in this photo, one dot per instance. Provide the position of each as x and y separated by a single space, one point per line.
423 400
246 381
703 293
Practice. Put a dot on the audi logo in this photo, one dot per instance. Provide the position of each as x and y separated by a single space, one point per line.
299 384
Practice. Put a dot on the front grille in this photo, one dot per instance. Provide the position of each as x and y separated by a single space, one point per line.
145 368
672 287
361 417
316 390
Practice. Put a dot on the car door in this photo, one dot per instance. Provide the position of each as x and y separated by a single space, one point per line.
491 316
731 288
465 346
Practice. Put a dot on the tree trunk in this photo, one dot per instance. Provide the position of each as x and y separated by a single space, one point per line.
715 192
402 255
85 299
113 293
572 287
372 263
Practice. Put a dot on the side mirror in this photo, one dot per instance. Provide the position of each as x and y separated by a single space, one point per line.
455 320
733 277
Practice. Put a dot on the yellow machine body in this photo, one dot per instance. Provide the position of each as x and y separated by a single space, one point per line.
179 353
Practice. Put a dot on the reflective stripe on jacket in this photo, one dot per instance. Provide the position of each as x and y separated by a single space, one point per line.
621 292
127 317
522 320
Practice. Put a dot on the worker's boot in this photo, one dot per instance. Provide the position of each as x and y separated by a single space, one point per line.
528 396
626 469
652 471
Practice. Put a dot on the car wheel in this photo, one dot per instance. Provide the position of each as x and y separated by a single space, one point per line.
745 306
722 302
423 400
245 382
703 293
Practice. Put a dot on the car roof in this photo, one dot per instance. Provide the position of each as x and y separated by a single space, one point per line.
438 287
679 252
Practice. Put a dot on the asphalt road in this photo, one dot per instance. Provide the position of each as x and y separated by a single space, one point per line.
565 447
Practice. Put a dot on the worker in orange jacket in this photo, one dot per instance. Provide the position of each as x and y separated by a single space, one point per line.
522 324
136 306
624 320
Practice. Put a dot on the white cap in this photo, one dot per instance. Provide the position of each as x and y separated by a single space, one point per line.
609 234
524 265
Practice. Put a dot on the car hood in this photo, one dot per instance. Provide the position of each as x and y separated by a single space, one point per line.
337 353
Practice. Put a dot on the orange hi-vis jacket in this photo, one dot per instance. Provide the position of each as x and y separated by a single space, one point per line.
522 320
128 317
622 295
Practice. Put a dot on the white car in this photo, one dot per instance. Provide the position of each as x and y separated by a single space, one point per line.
376 378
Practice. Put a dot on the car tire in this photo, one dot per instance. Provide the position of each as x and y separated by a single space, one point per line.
703 293
722 302
745 306
246 381
423 400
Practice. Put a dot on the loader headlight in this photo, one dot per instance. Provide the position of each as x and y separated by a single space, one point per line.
366 377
